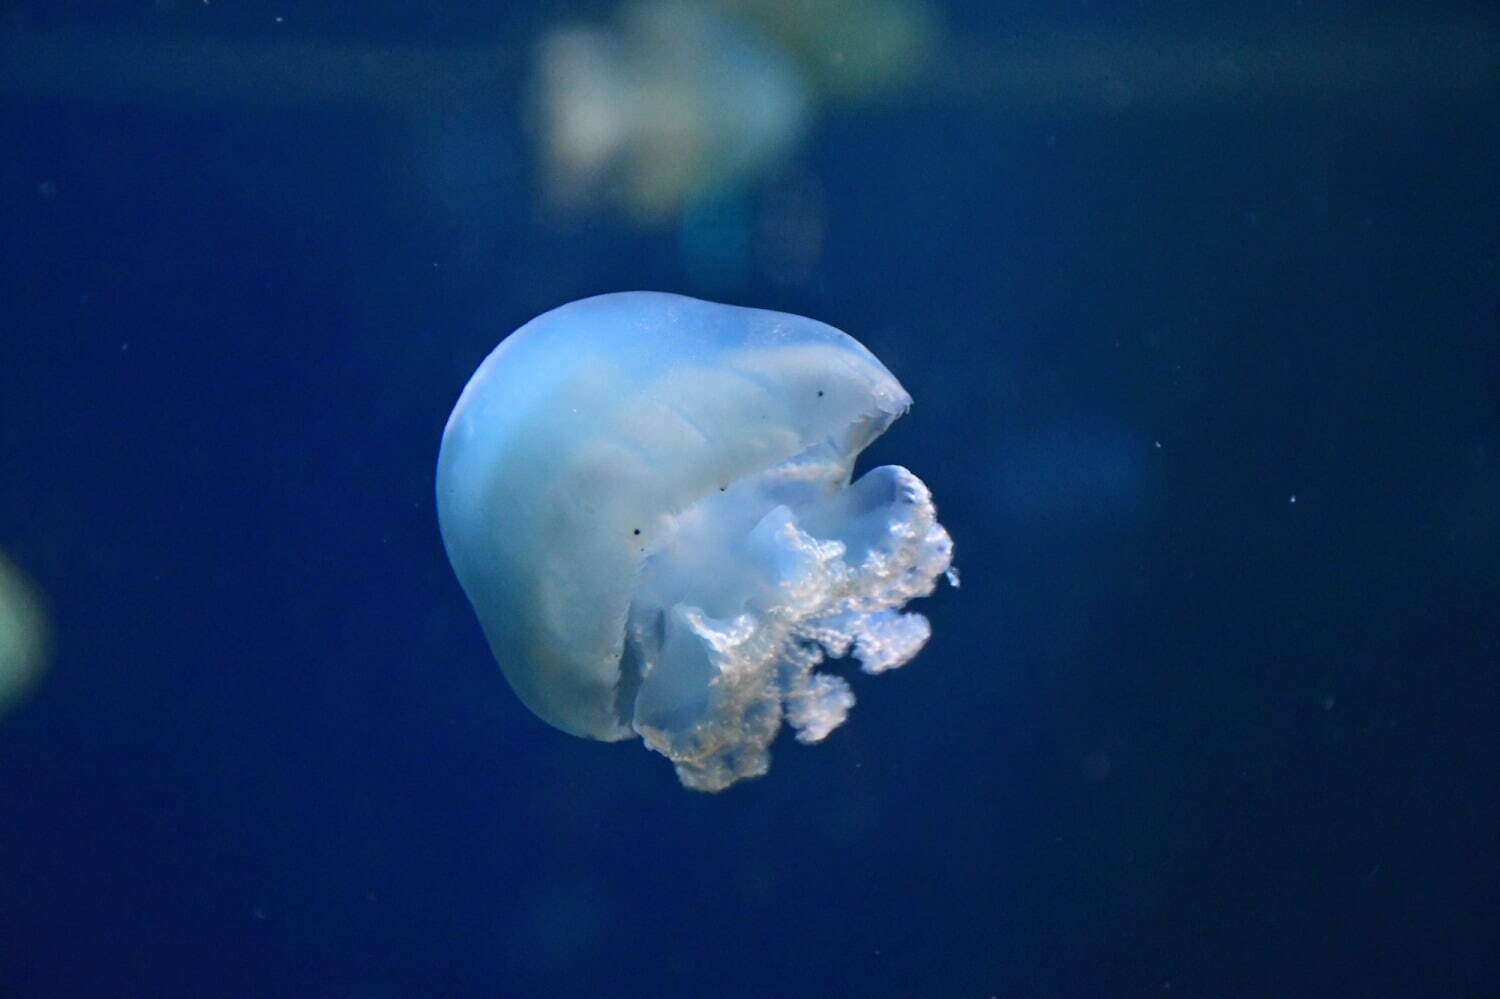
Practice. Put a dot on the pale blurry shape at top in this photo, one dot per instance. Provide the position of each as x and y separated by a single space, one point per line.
676 102
669 104
23 637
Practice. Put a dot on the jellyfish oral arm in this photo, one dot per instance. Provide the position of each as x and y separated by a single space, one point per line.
729 626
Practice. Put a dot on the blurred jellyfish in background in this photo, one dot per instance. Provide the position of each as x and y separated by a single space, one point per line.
668 105
691 115
23 637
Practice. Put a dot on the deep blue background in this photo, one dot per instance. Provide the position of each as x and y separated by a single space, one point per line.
1207 398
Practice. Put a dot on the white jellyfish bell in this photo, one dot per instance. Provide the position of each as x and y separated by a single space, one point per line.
647 499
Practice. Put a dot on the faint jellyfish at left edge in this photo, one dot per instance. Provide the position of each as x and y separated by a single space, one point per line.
23 637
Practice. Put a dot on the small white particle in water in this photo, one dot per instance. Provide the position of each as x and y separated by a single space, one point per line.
1293 499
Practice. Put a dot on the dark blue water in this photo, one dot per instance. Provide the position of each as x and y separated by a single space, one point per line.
1205 391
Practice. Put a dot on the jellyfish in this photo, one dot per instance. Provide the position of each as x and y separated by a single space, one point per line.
647 499
673 105
23 636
